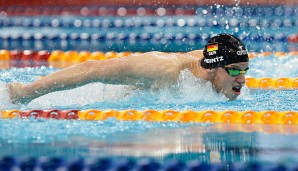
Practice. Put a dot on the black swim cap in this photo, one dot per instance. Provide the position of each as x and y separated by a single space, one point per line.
223 49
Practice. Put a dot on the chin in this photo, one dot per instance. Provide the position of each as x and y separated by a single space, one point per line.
229 94
231 97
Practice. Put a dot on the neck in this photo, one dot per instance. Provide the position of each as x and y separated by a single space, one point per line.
198 71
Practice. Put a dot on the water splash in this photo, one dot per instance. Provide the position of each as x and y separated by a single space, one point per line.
192 89
81 96
187 90
245 94
283 67
237 3
5 102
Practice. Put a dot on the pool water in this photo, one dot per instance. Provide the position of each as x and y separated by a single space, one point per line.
144 33
212 143
262 29
184 141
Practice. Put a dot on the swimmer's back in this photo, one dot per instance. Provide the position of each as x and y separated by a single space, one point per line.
160 63
153 68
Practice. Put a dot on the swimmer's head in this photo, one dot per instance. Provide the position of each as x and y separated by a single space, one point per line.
222 50
226 60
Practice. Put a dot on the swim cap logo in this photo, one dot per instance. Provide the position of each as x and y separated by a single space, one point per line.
241 52
212 47
213 60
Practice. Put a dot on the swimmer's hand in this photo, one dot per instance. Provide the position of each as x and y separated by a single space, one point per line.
16 93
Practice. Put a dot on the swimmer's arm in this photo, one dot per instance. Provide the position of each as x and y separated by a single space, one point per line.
141 70
71 77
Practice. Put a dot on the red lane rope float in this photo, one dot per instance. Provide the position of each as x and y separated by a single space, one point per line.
56 58
205 116
293 38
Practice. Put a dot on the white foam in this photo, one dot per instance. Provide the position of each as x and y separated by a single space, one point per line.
5 102
283 67
192 89
245 94
88 94
188 89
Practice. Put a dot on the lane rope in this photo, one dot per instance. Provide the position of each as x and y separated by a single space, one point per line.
204 116
61 59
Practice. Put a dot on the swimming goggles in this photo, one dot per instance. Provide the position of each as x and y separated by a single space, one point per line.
233 72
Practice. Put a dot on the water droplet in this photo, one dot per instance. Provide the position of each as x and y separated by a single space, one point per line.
237 2
214 22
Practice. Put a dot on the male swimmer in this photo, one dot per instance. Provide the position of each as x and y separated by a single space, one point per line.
223 62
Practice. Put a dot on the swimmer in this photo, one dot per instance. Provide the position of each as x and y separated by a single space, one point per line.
223 62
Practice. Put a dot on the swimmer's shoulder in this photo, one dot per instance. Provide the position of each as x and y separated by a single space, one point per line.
151 54
197 54
189 59
191 56
173 57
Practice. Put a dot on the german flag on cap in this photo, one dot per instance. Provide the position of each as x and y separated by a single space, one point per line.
212 47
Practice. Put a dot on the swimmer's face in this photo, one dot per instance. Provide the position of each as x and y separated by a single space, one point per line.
230 86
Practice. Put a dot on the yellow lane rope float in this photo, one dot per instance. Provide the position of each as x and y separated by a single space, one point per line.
272 83
204 116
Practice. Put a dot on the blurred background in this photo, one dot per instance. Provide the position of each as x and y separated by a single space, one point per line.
140 25
55 34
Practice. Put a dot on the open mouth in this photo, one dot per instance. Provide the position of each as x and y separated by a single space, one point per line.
237 89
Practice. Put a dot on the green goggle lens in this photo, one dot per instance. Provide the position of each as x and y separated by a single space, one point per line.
235 72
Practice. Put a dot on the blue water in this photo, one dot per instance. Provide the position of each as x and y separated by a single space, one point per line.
162 141
207 142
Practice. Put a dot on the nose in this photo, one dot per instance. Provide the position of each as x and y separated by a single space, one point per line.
240 79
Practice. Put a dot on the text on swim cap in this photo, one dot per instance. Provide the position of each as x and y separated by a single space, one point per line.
242 52
212 53
217 59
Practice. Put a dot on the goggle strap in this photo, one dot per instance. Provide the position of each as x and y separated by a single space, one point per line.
242 71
